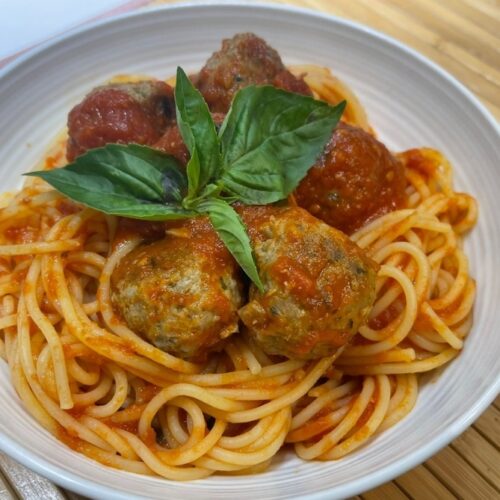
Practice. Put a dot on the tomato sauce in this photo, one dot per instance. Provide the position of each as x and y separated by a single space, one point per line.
355 181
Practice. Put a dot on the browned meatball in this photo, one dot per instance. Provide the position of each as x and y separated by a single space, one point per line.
356 180
181 293
319 285
243 60
171 141
120 113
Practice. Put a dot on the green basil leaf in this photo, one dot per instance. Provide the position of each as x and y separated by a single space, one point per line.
131 181
270 138
145 163
193 170
100 193
198 131
256 183
135 170
233 233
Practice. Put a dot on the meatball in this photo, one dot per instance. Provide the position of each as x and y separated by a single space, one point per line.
243 60
120 113
171 141
181 293
356 180
319 285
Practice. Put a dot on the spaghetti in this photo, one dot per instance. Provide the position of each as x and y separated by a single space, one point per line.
107 393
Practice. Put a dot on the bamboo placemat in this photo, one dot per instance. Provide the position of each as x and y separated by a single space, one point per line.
462 36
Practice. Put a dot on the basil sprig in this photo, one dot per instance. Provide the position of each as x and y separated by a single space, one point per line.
264 148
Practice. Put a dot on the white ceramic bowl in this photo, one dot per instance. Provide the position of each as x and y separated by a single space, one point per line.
411 102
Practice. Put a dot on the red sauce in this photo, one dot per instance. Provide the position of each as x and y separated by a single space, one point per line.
131 228
204 241
243 60
365 416
171 142
297 280
22 234
315 428
67 207
415 160
385 317
77 411
355 181
119 114
145 393
132 427
71 440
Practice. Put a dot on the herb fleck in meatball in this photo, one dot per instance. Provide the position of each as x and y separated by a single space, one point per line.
181 293
319 285
244 60
120 113
356 180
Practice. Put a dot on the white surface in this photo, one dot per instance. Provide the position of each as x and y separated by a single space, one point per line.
411 103
23 23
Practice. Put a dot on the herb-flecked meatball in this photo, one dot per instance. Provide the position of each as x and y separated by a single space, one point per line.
319 285
243 60
355 180
181 293
120 113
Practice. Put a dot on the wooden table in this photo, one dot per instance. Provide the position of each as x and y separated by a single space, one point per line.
463 36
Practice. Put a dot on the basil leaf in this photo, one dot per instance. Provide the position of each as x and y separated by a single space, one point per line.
131 181
135 170
101 194
193 170
256 183
270 138
172 176
232 232
198 131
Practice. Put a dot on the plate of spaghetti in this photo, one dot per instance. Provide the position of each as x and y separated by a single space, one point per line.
259 260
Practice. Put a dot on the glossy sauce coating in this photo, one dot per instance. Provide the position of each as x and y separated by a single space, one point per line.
319 286
355 181
171 141
181 292
243 60
120 113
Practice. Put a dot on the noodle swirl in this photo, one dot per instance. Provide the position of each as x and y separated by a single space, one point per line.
106 392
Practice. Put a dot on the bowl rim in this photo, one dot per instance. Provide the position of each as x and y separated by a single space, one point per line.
72 480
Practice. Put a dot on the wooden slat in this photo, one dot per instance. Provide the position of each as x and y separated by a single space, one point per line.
470 10
496 403
480 454
459 477
489 8
422 483
26 484
457 28
74 496
488 424
386 491
397 18
6 492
